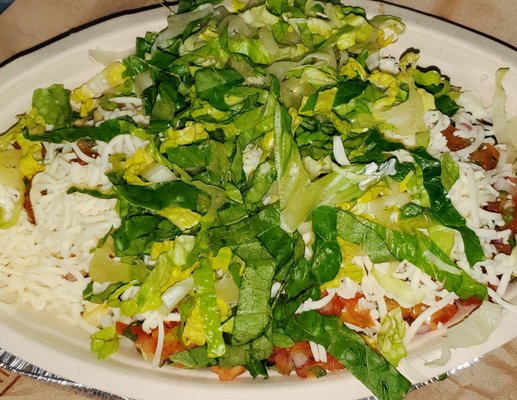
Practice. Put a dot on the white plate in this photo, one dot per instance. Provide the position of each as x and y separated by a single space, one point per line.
469 59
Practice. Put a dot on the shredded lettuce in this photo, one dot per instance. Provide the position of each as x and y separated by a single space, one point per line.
398 288
391 335
404 122
105 342
473 331
103 268
505 129
53 105
208 309
280 163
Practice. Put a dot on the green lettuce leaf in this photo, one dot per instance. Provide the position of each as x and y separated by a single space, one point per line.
383 244
105 132
160 196
53 104
326 261
204 281
253 310
298 195
104 342
373 370
189 5
441 206
391 335
104 269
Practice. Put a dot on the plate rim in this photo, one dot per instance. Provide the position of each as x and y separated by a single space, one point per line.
47 47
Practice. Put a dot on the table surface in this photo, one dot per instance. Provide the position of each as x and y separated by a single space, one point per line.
28 23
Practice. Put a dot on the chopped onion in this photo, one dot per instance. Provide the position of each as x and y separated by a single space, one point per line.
236 27
339 151
178 22
299 358
268 41
175 293
109 57
158 173
142 82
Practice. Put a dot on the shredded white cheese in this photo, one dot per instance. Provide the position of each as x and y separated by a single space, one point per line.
310 304
318 352
8 199
37 259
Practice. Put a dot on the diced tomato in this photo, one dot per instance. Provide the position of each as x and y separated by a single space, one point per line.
512 225
501 247
334 307
408 314
228 374
333 364
313 369
147 342
470 301
443 315
120 327
310 369
86 148
302 348
282 359
508 210
496 206
348 310
511 215
135 330
486 157
354 314
454 143
27 204
171 343
147 345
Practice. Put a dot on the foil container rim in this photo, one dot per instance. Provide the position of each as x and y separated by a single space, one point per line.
14 364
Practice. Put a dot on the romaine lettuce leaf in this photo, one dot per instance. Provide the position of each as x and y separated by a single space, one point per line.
105 132
208 309
253 310
441 206
104 342
383 244
104 269
349 348
391 335
53 105
341 185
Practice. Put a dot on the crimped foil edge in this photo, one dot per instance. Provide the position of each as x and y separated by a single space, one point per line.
12 363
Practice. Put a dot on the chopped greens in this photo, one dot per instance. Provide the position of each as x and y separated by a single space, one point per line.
277 195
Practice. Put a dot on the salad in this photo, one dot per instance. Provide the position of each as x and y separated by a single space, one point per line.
259 189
